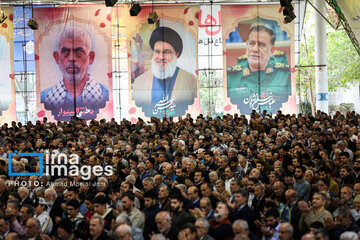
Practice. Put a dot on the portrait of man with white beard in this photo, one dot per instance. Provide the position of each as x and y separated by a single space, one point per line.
165 90
74 55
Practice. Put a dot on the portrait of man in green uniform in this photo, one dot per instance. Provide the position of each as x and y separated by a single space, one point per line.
261 79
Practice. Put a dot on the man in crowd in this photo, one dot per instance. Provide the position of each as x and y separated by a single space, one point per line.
202 228
42 215
221 226
136 217
97 229
317 213
33 229
163 222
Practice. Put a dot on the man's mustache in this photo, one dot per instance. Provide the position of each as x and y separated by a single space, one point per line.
72 65
161 61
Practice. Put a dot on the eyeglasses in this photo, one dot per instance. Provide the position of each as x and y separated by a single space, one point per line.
165 53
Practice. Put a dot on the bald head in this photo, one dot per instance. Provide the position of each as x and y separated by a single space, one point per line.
255 173
291 195
309 236
163 222
33 227
240 227
124 232
278 188
285 231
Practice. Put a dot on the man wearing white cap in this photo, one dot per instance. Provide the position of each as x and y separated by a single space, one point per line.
46 223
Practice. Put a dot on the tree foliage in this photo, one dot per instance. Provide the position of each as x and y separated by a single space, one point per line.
343 62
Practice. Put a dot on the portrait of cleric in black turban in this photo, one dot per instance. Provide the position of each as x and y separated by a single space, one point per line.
165 89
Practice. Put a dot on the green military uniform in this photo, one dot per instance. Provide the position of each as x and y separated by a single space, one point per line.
260 90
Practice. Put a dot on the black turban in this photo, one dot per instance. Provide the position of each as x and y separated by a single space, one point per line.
165 34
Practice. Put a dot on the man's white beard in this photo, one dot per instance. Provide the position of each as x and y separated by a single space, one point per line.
164 73
71 77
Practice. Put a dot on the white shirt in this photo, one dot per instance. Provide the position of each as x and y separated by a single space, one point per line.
227 184
46 223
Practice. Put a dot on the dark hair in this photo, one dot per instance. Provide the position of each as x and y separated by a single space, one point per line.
243 192
74 203
317 225
130 195
16 195
150 194
346 167
324 233
325 181
346 154
101 199
201 171
90 196
175 193
303 169
189 226
15 202
255 180
272 212
73 189
179 154
29 209
209 153
270 204
5 218
324 169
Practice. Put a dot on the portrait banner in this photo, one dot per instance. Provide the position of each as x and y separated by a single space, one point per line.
163 62
7 83
73 63
259 60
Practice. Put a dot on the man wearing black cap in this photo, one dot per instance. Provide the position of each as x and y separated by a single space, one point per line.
172 88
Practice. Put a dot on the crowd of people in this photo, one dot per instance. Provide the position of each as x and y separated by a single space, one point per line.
231 177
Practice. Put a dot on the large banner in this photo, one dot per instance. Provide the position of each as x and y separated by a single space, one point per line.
73 62
163 62
259 59
350 9
7 86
